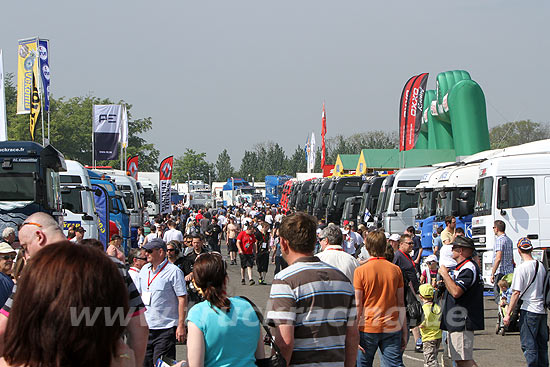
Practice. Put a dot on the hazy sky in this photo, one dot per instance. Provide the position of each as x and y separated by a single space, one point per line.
229 74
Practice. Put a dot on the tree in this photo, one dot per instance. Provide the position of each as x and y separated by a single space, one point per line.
193 166
249 165
71 128
353 144
517 132
223 166
296 162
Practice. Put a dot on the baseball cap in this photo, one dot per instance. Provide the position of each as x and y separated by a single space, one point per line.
431 258
395 237
387 234
465 242
155 243
346 222
525 244
5 248
115 237
426 291
80 229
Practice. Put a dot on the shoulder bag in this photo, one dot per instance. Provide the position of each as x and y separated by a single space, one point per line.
277 359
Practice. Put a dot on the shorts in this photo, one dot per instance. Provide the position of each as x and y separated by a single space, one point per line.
461 345
247 261
232 244
262 261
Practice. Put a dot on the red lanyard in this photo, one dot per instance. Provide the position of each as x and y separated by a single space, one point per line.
462 264
408 257
149 275
335 249
137 271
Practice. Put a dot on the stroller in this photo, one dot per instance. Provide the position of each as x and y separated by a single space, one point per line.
501 329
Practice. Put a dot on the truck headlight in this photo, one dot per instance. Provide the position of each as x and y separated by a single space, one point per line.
481 239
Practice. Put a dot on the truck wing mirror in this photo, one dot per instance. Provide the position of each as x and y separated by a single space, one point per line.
503 191
397 202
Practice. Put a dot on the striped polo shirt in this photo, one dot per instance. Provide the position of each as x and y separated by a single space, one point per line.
319 301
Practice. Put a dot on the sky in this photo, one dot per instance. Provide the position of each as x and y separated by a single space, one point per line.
233 73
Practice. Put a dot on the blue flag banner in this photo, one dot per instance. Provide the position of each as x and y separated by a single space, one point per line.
44 54
101 199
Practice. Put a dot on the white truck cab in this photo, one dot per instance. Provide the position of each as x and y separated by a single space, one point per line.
513 186
78 199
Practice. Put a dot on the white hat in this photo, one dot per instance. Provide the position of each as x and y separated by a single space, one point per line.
387 235
431 258
5 248
395 237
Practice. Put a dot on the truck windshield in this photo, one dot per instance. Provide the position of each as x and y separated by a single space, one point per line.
445 203
426 205
129 199
383 199
17 184
72 200
484 196
150 195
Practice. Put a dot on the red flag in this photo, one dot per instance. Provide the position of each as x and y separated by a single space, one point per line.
165 184
132 167
166 168
323 133
410 111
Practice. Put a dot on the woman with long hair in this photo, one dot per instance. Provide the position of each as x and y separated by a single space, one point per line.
46 326
222 331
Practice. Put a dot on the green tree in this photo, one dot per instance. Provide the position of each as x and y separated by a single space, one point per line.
193 166
71 128
249 165
296 162
518 132
223 166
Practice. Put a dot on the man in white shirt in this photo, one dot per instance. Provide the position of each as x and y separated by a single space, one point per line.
528 283
172 234
352 240
137 258
332 252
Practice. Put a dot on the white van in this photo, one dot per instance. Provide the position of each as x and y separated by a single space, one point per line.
78 199
513 186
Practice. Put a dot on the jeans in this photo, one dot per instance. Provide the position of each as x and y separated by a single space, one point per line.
533 335
162 342
390 349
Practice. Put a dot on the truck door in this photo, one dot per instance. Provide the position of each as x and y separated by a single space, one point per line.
516 199
544 211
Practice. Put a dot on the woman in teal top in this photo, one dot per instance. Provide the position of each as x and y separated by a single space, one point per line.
221 331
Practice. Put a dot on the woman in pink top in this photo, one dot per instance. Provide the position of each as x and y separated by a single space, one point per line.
115 248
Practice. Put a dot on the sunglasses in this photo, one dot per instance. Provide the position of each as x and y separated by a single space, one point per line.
409 243
142 258
9 257
171 249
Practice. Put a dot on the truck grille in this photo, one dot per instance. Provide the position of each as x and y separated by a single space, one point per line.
478 231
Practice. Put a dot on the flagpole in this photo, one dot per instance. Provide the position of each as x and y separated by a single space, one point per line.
40 90
93 144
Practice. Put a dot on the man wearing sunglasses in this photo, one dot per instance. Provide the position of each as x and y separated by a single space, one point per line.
7 256
40 230
163 291
137 258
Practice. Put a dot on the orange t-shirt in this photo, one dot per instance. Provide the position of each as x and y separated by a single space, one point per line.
379 280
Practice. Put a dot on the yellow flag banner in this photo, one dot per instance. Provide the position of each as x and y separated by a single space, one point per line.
27 65
35 106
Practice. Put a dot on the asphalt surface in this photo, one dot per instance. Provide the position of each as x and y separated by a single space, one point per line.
490 349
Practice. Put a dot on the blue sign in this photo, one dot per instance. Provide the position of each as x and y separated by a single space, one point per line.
44 54
101 199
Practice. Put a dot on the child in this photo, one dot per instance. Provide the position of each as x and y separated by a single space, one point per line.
429 276
430 327
505 293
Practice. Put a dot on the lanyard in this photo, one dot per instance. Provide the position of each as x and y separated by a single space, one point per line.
408 257
334 249
133 269
149 282
462 264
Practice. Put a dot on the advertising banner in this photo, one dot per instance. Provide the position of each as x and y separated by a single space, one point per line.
410 111
3 120
102 209
106 128
44 55
27 65
132 165
124 127
323 133
35 106
165 184
312 155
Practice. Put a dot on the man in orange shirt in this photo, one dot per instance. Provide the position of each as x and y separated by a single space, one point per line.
380 304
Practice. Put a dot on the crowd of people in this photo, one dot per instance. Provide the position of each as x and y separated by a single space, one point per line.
339 295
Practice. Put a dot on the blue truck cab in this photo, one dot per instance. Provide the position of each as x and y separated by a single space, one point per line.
117 208
274 188
29 182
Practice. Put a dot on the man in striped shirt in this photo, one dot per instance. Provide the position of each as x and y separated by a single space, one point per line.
503 256
311 305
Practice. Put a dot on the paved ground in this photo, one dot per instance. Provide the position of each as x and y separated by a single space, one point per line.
490 349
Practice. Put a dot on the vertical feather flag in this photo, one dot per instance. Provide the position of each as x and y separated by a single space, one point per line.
323 133
35 106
